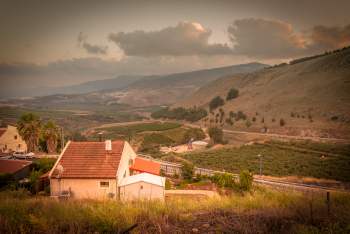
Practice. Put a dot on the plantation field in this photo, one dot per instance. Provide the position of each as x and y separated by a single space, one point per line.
156 138
143 127
277 161
176 134
16 113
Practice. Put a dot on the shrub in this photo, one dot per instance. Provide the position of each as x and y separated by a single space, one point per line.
212 113
263 120
265 127
282 123
221 110
217 115
244 117
292 114
232 114
256 113
47 190
232 94
253 119
176 175
298 116
302 116
246 180
273 120
248 124
309 116
187 170
216 120
208 146
216 102
224 142
167 185
222 113
215 133
161 172
240 115
334 118
6 178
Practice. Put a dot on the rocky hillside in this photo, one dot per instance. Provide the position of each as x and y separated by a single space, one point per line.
319 88
168 89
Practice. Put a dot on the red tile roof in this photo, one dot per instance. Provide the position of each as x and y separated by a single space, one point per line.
12 166
142 165
2 132
89 160
45 176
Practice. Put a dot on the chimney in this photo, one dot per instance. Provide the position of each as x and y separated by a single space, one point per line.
100 136
108 145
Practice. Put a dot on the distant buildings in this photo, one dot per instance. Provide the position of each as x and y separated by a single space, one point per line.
10 140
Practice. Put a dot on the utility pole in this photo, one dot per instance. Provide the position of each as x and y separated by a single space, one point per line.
62 139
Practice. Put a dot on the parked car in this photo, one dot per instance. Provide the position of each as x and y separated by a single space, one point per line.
22 154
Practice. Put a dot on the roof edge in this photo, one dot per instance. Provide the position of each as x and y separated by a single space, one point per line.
59 158
121 159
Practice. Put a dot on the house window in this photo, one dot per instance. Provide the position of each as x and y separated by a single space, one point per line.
15 137
104 184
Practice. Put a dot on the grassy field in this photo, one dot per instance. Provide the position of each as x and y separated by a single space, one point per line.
277 161
143 127
261 211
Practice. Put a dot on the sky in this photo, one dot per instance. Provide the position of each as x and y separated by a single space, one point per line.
61 43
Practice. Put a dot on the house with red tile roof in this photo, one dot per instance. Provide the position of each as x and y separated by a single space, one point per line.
95 169
10 140
17 167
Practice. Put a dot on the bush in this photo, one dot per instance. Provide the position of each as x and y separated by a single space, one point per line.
215 133
222 114
265 127
232 94
6 178
248 124
246 180
232 114
273 120
187 171
263 120
167 184
208 146
240 115
282 123
162 172
47 190
176 175
292 114
256 113
216 102
217 115
298 116
221 110
244 117
253 119
334 118
302 116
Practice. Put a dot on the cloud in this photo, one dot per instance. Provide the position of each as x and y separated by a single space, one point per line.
268 39
91 49
185 39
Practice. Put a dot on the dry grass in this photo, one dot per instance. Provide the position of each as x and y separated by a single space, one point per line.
261 211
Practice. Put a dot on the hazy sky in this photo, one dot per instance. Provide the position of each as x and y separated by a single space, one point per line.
59 43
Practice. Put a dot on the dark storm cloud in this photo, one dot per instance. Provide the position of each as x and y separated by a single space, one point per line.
91 49
185 39
268 39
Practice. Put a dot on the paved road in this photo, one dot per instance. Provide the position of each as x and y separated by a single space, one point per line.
275 135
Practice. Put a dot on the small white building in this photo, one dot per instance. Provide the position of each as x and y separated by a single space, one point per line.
197 145
143 186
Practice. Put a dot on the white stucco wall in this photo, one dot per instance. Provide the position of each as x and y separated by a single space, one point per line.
84 188
124 162
149 191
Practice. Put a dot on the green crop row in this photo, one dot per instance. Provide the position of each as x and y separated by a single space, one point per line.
143 127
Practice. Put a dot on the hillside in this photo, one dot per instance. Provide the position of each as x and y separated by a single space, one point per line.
318 87
158 90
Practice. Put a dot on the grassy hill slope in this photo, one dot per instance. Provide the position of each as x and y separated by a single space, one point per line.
319 87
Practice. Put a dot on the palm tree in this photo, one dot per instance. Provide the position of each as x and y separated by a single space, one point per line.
51 134
29 128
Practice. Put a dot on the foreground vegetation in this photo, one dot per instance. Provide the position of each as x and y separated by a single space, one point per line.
260 211
279 160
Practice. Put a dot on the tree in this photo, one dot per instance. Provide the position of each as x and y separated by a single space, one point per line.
215 133
45 164
233 93
187 170
29 128
216 102
195 133
282 123
246 180
51 134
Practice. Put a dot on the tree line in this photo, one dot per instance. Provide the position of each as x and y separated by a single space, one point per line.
180 113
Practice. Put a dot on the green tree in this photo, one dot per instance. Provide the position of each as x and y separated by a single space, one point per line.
282 123
215 133
45 164
216 102
248 123
29 128
51 135
253 119
187 170
233 93
195 133
263 120
240 115
232 114
246 180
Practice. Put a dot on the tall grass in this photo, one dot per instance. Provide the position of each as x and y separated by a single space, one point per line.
24 214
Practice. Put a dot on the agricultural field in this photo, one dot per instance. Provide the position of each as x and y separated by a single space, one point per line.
176 134
279 160
156 138
136 128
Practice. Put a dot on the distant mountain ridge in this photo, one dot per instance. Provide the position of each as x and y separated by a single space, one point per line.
168 89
